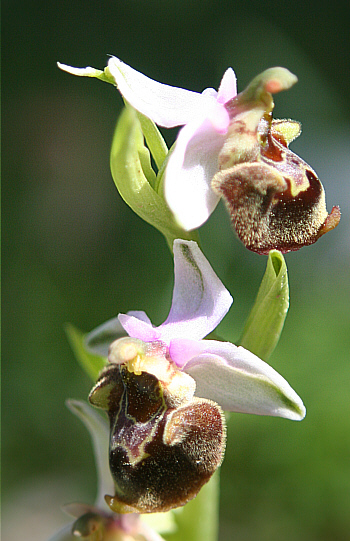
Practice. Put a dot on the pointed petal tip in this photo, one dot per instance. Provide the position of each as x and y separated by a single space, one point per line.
228 86
73 405
99 339
293 411
239 381
270 81
80 72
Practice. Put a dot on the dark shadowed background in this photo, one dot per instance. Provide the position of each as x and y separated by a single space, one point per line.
74 252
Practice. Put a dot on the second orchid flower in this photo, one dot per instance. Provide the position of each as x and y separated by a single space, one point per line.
230 147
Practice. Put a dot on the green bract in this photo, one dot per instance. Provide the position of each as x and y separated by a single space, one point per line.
133 174
265 323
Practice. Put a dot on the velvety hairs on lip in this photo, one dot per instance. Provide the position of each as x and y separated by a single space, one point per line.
165 390
164 443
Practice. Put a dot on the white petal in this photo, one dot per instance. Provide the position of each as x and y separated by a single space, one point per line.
188 175
239 381
99 340
99 433
167 106
210 92
200 300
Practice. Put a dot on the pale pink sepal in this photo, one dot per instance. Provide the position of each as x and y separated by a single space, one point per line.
239 381
166 105
190 169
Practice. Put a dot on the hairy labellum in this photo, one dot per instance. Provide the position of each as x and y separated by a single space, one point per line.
274 198
165 444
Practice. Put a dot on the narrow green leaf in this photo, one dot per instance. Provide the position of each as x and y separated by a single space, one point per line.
198 520
130 167
90 363
265 322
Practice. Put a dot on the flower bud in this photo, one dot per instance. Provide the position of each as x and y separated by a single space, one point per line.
165 444
274 198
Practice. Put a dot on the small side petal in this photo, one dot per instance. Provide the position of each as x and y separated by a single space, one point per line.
191 167
228 86
99 340
239 381
99 433
138 328
167 106
140 314
200 300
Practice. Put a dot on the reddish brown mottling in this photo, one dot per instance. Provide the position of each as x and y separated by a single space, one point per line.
160 455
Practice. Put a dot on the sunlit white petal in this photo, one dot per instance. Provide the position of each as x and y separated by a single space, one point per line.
191 167
167 106
210 92
240 381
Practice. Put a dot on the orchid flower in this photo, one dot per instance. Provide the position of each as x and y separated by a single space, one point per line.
230 147
194 160
231 376
96 522
165 389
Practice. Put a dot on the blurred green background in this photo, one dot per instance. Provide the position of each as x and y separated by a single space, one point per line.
74 252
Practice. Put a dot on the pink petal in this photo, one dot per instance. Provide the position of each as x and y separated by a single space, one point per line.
189 172
228 86
182 350
99 340
137 328
200 300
